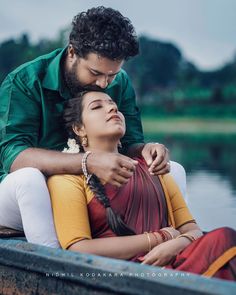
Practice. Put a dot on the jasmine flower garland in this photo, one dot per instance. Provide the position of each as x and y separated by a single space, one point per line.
73 147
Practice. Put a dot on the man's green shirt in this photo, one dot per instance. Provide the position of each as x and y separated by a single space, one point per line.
32 99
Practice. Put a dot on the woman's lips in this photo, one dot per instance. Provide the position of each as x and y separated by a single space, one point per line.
115 117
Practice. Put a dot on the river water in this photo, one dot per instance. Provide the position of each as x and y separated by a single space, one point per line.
210 164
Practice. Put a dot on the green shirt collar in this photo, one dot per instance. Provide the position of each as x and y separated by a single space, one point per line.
53 79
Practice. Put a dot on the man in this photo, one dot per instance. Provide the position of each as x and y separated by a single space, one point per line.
32 135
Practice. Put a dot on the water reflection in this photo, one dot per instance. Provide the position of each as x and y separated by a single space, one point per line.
210 164
211 199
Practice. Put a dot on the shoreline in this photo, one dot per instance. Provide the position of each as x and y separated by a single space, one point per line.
187 125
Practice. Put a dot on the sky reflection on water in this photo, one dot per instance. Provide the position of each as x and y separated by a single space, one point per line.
210 164
211 199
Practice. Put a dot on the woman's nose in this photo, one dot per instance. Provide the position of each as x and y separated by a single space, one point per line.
112 107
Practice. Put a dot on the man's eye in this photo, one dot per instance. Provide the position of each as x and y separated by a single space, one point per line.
95 74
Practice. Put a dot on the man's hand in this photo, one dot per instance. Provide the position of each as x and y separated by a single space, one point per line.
157 158
112 168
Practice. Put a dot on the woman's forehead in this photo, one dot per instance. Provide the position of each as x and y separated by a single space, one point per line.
95 96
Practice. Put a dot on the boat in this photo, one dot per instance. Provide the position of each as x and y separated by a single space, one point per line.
27 268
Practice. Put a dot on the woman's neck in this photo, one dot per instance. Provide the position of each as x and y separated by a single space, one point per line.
103 146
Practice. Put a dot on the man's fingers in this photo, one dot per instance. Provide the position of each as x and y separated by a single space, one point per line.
121 180
155 154
115 183
163 165
129 164
161 171
123 172
148 158
160 163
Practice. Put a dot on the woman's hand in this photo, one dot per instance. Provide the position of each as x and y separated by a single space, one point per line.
164 253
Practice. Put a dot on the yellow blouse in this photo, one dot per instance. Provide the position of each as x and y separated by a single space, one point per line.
70 196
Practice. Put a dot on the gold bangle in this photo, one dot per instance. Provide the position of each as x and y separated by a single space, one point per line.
189 237
149 241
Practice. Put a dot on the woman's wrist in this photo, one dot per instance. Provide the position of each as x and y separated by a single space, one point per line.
151 241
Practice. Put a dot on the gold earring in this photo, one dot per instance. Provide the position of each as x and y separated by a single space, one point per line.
84 141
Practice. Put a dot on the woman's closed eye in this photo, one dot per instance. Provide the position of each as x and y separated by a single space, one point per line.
95 107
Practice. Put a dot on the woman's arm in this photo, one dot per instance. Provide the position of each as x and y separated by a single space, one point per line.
129 246
116 247
191 229
163 253
70 197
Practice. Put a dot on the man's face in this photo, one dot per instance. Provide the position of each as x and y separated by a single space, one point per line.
91 73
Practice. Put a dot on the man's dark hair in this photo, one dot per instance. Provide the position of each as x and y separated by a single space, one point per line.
104 31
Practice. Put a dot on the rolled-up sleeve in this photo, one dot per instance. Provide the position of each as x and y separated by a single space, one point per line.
19 120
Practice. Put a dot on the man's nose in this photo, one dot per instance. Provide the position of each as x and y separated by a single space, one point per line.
102 82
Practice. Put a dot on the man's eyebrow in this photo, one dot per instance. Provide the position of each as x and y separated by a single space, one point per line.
100 73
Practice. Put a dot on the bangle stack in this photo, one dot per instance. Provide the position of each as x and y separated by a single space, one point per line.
84 166
156 237
169 233
163 235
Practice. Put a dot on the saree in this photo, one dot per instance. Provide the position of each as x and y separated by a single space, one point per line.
145 206
146 203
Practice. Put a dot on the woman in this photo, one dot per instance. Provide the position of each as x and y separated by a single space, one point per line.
144 220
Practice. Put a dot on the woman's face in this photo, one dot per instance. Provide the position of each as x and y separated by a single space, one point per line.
101 118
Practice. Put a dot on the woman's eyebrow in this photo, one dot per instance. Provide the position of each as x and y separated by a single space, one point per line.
101 100
97 100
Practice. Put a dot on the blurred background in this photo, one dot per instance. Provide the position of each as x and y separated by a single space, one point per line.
184 77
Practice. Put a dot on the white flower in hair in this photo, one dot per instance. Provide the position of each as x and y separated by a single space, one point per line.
73 147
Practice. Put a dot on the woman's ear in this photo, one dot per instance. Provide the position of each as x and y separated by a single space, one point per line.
79 131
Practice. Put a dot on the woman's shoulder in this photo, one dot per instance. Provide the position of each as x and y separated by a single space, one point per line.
63 179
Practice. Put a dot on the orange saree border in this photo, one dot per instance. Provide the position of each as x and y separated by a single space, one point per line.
171 219
220 261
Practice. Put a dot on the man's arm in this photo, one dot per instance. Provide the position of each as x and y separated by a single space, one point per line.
20 127
113 168
48 162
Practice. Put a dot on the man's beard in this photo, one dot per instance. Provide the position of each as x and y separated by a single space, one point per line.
73 83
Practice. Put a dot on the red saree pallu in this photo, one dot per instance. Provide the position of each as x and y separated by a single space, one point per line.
145 206
141 203
212 255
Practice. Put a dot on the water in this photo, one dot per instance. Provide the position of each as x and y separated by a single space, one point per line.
213 203
210 164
